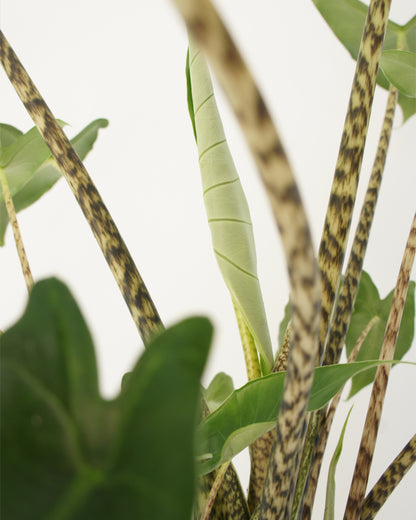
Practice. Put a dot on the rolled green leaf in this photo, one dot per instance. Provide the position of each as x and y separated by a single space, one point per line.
29 167
226 206
252 410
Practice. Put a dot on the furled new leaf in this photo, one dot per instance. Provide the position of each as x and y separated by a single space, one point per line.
29 168
346 18
71 454
252 410
226 206
368 305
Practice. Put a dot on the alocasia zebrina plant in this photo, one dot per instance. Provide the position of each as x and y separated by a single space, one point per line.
96 455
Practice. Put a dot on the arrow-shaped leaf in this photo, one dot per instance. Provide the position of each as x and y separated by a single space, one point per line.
252 410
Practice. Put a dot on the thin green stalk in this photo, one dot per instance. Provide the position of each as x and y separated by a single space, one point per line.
27 274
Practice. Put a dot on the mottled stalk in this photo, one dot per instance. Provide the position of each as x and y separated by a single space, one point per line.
348 291
229 501
368 440
249 346
388 482
261 449
214 491
8 200
310 490
102 225
208 30
344 186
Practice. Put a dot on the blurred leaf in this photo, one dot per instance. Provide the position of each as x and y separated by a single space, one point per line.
8 134
71 454
346 19
226 206
399 67
218 390
30 169
252 410
329 513
367 305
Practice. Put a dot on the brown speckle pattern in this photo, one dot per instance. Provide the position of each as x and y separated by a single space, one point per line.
115 251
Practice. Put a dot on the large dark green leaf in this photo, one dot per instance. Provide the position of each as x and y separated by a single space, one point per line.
368 305
67 453
346 18
29 167
252 410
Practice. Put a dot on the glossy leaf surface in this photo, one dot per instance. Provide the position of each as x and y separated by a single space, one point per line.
252 410
73 455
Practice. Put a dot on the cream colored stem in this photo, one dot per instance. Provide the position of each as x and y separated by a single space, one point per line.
16 231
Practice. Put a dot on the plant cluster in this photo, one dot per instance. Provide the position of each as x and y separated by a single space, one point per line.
163 447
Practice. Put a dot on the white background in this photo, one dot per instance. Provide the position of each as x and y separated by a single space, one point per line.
125 61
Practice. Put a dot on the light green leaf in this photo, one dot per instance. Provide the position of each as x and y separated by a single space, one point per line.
73 455
399 67
218 390
346 18
368 304
8 134
329 513
252 410
226 206
30 169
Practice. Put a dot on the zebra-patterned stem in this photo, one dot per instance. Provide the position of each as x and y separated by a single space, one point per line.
261 449
312 482
344 186
388 482
368 440
229 501
208 30
348 291
105 231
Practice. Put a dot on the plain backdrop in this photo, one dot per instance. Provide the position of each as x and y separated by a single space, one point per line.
125 61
